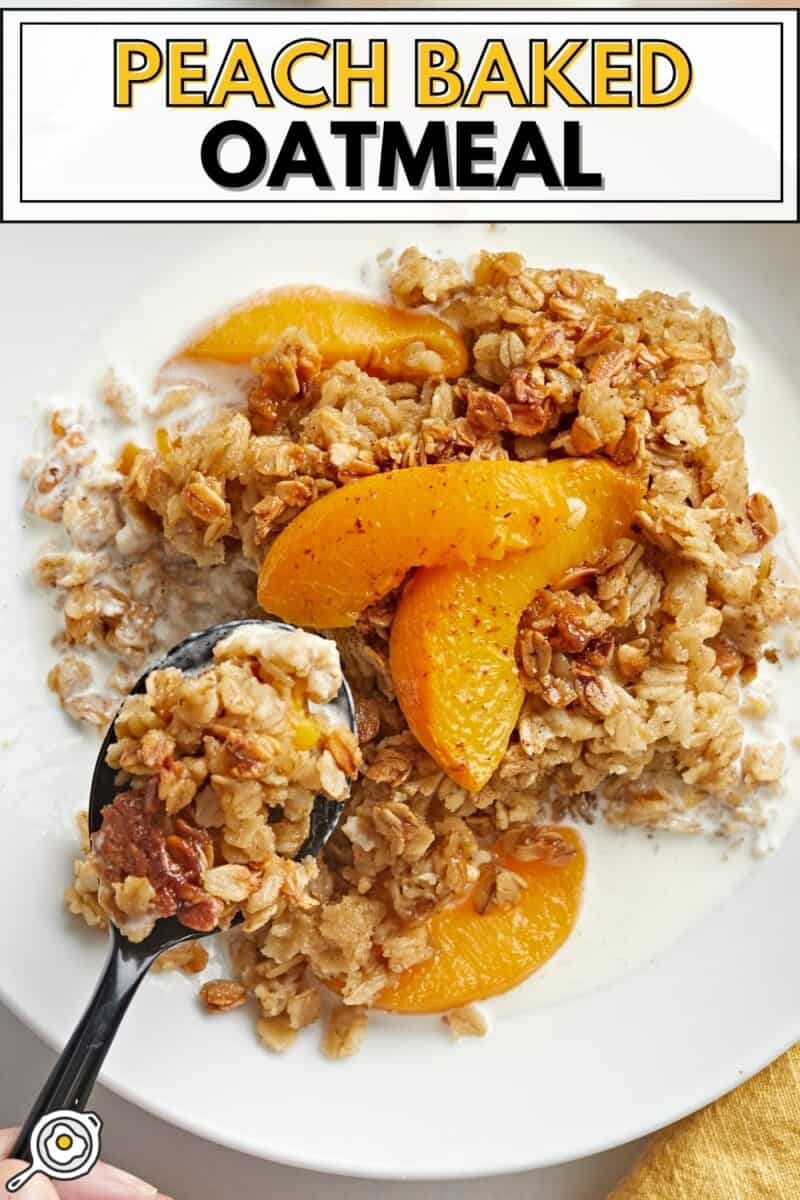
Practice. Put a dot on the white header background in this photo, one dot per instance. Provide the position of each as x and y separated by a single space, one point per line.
714 156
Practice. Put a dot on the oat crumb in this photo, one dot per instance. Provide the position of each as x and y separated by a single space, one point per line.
468 1021
762 763
344 1032
221 995
756 706
191 957
276 1033
118 396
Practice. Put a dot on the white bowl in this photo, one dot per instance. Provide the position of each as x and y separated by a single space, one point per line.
680 979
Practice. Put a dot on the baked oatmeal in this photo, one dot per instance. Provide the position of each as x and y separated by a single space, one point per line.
633 664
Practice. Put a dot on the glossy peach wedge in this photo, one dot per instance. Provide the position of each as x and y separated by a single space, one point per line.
376 336
452 643
357 543
480 954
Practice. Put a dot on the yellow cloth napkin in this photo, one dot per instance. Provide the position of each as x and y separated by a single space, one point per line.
743 1147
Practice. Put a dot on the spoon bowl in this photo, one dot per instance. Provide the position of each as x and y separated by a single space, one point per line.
190 656
73 1077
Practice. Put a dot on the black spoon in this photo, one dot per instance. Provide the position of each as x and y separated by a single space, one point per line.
71 1081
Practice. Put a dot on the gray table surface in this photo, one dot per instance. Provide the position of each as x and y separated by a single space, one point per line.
187 1168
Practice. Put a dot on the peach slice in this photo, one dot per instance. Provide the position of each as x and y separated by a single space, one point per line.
477 955
354 545
451 650
377 336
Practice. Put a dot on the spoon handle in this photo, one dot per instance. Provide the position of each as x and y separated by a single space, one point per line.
70 1083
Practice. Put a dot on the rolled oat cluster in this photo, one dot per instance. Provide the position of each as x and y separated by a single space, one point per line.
219 772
